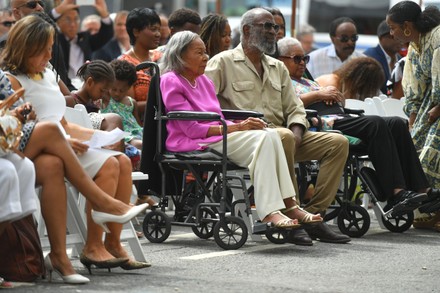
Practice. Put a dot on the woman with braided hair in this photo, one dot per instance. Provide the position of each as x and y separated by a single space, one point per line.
215 33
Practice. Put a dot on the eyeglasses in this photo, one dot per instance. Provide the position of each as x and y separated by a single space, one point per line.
268 26
32 4
297 58
344 38
7 23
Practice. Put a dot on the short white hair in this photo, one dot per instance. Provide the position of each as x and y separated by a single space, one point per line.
285 43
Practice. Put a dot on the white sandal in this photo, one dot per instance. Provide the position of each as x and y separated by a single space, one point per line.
307 218
284 223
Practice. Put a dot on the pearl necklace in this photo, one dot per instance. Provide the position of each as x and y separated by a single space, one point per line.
190 84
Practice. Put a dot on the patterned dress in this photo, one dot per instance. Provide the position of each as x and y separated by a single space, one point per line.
142 84
421 86
128 120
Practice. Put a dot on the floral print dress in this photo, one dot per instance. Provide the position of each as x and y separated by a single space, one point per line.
421 86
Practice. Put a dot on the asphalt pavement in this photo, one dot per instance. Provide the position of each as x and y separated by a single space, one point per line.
380 261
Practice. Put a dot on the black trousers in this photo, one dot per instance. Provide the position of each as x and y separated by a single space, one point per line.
390 149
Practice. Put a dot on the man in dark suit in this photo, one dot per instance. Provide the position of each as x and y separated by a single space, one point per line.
386 52
119 44
78 46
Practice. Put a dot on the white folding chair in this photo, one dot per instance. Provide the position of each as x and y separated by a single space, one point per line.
379 106
394 107
367 105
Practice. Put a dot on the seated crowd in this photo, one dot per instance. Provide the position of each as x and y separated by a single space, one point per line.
46 52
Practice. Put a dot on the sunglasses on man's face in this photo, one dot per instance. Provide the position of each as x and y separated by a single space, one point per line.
7 23
268 26
32 4
345 39
297 58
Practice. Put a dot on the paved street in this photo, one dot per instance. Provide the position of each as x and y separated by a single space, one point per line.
380 261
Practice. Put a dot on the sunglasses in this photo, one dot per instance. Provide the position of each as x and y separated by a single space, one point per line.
268 26
297 58
344 38
32 4
7 23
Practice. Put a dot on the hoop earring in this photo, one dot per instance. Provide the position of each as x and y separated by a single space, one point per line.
407 32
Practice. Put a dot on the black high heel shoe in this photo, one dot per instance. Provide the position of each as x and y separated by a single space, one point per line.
103 264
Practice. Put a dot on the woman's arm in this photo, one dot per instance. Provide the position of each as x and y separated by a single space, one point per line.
76 131
135 110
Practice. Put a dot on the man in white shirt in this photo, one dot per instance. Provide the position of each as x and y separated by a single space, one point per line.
343 34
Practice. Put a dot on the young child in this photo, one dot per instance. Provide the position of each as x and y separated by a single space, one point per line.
123 105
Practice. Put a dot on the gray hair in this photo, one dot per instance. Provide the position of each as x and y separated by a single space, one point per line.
305 29
248 18
285 43
172 57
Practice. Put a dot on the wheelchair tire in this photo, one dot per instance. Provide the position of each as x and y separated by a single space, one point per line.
353 220
156 226
400 223
231 233
276 235
205 229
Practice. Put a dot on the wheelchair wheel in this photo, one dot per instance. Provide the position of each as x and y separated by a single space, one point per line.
205 229
276 235
156 226
399 223
231 233
353 220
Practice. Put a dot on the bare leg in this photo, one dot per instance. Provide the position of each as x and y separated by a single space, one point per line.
50 175
298 213
47 138
123 193
107 179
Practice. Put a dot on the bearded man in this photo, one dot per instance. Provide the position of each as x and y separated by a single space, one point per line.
246 78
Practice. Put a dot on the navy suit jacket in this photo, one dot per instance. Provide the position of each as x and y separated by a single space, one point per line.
109 52
378 54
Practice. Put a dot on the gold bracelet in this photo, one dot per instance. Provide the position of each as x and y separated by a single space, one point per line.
220 129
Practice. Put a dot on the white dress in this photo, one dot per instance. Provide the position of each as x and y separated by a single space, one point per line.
50 105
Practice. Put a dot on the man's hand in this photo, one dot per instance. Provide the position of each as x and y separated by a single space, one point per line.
78 147
65 6
298 132
252 123
330 95
101 7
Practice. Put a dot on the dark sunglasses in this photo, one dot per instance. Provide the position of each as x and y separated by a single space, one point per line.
32 4
268 26
344 38
297 58
7 23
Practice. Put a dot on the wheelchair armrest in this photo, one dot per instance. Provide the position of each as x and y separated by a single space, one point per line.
311 113
354 111
240 114
192 115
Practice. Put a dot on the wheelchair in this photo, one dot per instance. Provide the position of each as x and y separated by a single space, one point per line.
353 219
197 182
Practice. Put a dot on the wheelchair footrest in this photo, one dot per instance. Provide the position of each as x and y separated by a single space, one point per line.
430 207
259 228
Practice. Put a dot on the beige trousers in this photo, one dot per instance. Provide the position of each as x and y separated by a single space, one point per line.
331 150
262 153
